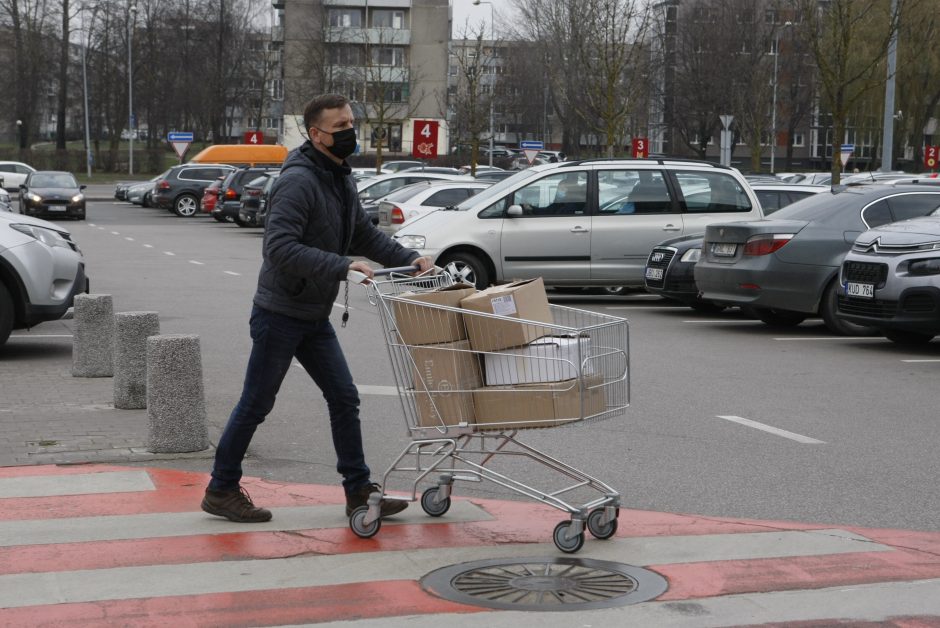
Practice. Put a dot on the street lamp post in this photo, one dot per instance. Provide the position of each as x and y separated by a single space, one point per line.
130 89
19 134
773 113
85 89
493 83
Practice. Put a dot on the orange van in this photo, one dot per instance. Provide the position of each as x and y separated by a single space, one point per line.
242 155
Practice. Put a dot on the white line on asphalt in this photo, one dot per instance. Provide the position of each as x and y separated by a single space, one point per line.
339 305
115 233
78 484
918 361
129 239
170 253
91 224
835 338
773 430
228 272
148 246
192 261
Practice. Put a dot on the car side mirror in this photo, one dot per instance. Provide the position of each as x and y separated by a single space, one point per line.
22 186
514 210
1 182
82 187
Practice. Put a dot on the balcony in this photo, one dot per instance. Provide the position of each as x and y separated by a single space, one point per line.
382 36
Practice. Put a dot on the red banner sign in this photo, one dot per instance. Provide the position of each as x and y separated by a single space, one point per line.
253 137
424 143
931 154
641 148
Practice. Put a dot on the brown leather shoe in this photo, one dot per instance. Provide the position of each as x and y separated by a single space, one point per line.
235 506
360 497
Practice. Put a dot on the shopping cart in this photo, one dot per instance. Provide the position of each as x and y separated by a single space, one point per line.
464 408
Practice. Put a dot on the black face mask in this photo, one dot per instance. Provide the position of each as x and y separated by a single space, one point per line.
344 143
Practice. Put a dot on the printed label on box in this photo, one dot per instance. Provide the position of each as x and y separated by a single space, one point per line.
504 305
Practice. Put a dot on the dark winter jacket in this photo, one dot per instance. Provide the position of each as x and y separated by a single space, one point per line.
314 221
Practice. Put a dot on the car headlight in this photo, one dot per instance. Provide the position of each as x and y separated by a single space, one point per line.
49 237
412 241
691 256
924 266
78 198
35 198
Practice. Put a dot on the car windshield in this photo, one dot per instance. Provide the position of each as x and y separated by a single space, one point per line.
496 191
57 180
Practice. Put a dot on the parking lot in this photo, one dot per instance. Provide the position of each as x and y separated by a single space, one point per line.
728 417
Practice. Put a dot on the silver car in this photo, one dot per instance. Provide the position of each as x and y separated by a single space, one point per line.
890 280
785 269
579 223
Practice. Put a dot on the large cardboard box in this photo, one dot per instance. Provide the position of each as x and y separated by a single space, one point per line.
419 325
537 405
520 299
548 359
445 376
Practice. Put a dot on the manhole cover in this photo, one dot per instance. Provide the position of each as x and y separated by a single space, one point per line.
544 584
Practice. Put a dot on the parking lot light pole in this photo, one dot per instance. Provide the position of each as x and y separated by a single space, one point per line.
773 113
130 89
85 89
493 83
19 134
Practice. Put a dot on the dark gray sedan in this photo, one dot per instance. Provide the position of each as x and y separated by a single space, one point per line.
785 269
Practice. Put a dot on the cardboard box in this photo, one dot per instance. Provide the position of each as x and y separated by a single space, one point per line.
419 325
449 372
537 405
520 299
548 359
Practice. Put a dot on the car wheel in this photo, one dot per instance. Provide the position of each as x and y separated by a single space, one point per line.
218 218
829 310
240 222
466 267
616 291
706 307
775 317
907 338
186 205
146 201
6 314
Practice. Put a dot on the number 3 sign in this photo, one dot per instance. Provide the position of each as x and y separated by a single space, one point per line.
424 143
641 149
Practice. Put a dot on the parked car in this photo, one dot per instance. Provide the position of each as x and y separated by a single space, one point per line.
785 269
6 203
810 178
890 280
372 190
521 163
552 155
120 189
396 166
466 169
263 201
52 193
419 199
437 169
41 271
670 267
210 196
499 152
230 192
13 174
142 193
494 175
180 188
576 223
250 202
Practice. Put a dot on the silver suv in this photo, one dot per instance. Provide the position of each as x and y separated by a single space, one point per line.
41 271
580 223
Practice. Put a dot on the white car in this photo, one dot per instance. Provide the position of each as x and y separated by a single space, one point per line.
420 199
372 190
13 173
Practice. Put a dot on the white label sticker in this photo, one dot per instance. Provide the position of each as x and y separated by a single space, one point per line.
504 306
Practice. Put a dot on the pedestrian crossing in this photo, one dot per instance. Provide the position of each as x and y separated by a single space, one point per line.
103 545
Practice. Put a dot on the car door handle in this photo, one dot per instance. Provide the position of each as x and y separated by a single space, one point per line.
671 227
579 229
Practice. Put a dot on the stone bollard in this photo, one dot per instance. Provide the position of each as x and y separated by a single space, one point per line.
93 339
176 406
131 330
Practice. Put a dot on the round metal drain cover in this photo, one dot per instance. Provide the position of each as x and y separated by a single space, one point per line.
544 584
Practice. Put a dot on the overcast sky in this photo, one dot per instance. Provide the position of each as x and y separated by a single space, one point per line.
465 9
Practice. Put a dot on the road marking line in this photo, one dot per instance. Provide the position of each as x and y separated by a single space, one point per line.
79 484
918 361
192 261
228 272
129 239
115 233
773 430
91 224
170 253
148 246
835 338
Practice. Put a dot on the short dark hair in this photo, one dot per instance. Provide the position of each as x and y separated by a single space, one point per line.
316 106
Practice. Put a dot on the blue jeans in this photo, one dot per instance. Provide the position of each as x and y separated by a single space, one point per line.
277 340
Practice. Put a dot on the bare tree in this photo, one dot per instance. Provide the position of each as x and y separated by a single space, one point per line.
918 76
29 21
470 102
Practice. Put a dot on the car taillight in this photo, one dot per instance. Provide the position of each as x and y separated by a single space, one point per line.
398 216
164 185
253 192
230 194
766 243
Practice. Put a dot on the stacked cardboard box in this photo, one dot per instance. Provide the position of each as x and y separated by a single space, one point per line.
523 300
538 405
548 359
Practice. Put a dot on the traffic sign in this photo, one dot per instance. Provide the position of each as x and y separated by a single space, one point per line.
424 140
931 153
178 136
253 137
532 145
530 154
641 148
846 152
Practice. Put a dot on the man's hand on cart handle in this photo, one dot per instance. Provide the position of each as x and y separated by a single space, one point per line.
424 264
359 272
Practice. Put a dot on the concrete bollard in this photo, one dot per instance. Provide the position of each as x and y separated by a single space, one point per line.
176 406
131 330
93 338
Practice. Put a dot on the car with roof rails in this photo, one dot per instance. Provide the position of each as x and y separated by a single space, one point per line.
230 192
577 223
371 191
180 188
785 269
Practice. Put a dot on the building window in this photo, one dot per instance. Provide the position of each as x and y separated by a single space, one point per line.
799 140
277 89
345 18
386 55
387 18
345 55
388 92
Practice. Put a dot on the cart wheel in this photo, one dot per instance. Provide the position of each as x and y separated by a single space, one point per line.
598 529
435 509
361 529
569 546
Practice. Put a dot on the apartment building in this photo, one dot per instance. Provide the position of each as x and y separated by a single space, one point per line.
389 57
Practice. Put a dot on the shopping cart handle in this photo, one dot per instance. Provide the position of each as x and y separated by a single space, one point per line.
401 270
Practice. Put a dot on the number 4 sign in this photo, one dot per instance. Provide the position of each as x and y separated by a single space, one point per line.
424 142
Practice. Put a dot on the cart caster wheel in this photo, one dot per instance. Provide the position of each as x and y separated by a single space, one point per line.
361 529
434 509
598 529
569 546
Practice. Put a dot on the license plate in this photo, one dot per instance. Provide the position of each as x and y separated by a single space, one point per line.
383 218
724 249
862 290
654 273
56 208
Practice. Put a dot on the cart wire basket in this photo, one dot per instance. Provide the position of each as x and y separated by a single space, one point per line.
469 382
